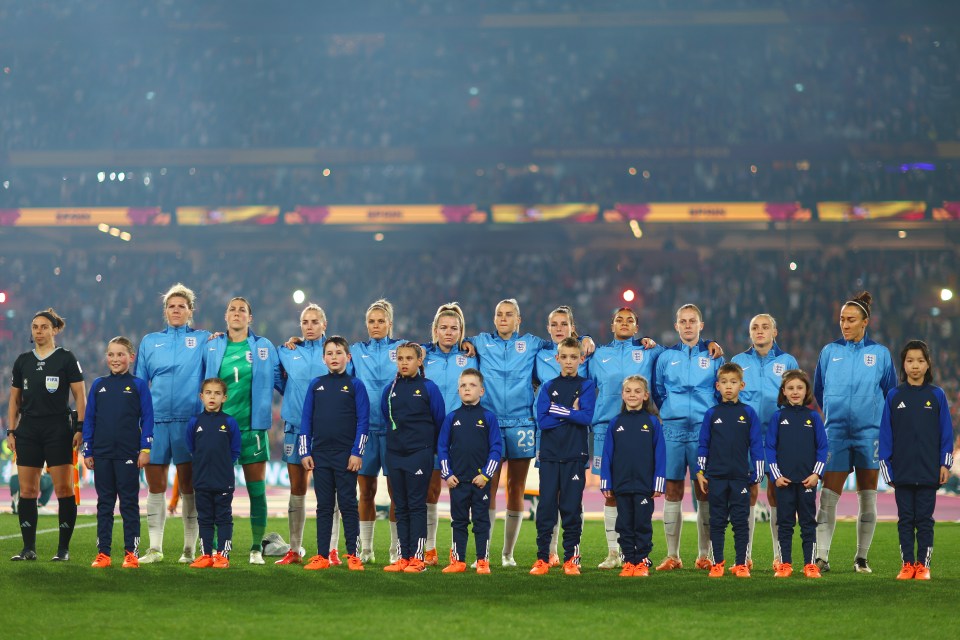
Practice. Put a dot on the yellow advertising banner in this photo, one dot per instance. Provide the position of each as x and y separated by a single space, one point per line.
194 216
707 212
83 217
386 214
855 211
568 212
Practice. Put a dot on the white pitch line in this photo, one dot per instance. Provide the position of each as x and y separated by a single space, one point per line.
39 531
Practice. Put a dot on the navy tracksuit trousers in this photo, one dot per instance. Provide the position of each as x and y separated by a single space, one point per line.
469 502
561 488
332 483
215 508
634 526
795 501
915 505
729 502
117 479
409 480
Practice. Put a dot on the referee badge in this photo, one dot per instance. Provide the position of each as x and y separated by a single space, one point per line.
637 356
263 353
869 359
461 361
521 347
190 341
779 368
703 362
53 383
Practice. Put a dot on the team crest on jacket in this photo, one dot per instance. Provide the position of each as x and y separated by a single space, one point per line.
263 353
520 347
249 355
703 362
190 341
637 356
461 361
779 368
393 355
869 359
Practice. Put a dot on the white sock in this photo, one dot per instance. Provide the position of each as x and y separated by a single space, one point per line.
511 531
366 536
672 522
867 521
827 522
296 517
431 527
394 540
703 530
753 525
335 530
493 523
191 528
555 539
610 527
156 517
775 533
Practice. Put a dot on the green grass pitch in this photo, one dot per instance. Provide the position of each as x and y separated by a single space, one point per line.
50 600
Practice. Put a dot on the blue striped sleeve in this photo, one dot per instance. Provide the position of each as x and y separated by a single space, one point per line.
946 429
363 416
885 447
606 461
496 445
823 445
146 413
90 419
770 445
659 456
703 450
443 446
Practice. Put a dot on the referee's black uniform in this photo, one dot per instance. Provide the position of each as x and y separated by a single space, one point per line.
44 434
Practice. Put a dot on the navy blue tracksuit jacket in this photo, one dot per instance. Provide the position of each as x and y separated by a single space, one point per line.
470 445
564 452
796 447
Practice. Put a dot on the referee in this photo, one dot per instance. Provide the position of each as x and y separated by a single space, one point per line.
40 430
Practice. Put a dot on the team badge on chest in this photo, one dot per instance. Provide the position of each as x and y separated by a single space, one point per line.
393 355
249 355
190 341
263 353
779 368
869 359
521 347
637 356
461 361
53 383
703 362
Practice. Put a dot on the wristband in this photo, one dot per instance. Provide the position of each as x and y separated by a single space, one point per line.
11 432
78 427
144 450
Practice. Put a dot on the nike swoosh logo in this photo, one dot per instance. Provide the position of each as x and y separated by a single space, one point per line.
363 355
837 359
745 368
297 357
213 348
430 361
160 345
606 360
675 362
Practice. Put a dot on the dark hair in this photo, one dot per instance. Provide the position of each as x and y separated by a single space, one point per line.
244 301
569 343
416 349
340 341
124 342
55 320
921 346
862 301
795 374
647 405
472 372
214 381
730 367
